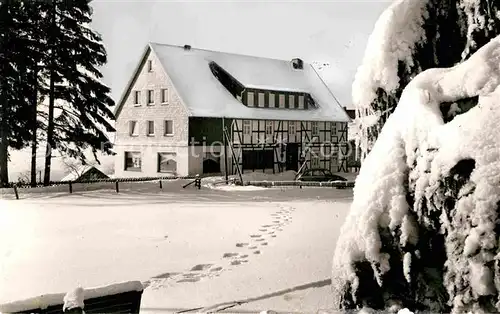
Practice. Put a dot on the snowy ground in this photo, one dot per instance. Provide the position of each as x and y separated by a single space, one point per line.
196 248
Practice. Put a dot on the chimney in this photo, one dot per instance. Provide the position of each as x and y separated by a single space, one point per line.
187 47
298 64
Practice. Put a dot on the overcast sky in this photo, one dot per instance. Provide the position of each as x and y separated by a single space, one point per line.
332 31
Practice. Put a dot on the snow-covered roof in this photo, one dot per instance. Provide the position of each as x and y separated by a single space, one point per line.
76 173
204 96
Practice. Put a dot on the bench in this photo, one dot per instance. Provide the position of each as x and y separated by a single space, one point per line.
117 298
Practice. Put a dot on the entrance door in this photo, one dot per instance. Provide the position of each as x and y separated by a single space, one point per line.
292 156
211 166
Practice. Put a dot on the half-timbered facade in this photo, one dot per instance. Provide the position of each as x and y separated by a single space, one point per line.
189 111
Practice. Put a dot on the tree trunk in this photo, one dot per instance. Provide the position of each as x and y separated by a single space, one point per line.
34 113
4 153
50 123
50 133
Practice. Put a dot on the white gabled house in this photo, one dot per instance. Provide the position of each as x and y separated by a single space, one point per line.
278 115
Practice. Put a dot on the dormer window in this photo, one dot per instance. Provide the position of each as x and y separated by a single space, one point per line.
250 99
301 102
272 99
262 100
281 101
291 101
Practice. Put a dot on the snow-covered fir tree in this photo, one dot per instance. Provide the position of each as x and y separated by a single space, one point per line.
408 38
15 81
48 51
79 110
423 230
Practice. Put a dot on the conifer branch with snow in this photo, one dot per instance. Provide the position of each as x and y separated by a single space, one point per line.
423 227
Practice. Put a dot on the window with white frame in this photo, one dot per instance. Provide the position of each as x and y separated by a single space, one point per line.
150 128
247 127
151 97
333 128
269 127
281 101
314 162
301 102
137 97
250 99
164 96
315 128
168 128
133 128
272 100
133 161
291 101
262 99
292 128
167 162
150 65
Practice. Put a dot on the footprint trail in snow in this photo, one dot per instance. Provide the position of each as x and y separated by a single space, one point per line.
257 242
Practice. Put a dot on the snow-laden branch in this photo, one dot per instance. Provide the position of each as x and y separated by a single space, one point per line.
395 35
413 142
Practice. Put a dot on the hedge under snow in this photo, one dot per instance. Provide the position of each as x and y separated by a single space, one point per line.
422 232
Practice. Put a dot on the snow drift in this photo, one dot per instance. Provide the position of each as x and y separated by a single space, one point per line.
423 227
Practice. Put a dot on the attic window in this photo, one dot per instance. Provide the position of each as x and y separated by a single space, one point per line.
281 100
250 99
301 102
291 101
150 65
272 100
262 100
137 97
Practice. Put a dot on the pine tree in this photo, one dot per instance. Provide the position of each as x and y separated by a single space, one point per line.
84 103
14 83
34 40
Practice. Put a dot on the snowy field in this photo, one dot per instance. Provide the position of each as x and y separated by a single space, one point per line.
270 248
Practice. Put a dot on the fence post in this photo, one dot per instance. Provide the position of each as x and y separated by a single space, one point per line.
70 188
161 187
15 192
117 187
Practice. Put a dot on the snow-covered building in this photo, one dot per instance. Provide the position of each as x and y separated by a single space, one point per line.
173 112
84 173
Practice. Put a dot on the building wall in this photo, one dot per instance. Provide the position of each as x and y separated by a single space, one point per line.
149 160
149 146
198 154
327 144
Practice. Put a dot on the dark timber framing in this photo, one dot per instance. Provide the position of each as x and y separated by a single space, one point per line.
329 140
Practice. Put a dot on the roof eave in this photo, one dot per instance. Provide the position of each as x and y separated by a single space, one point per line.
346 116
131 81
